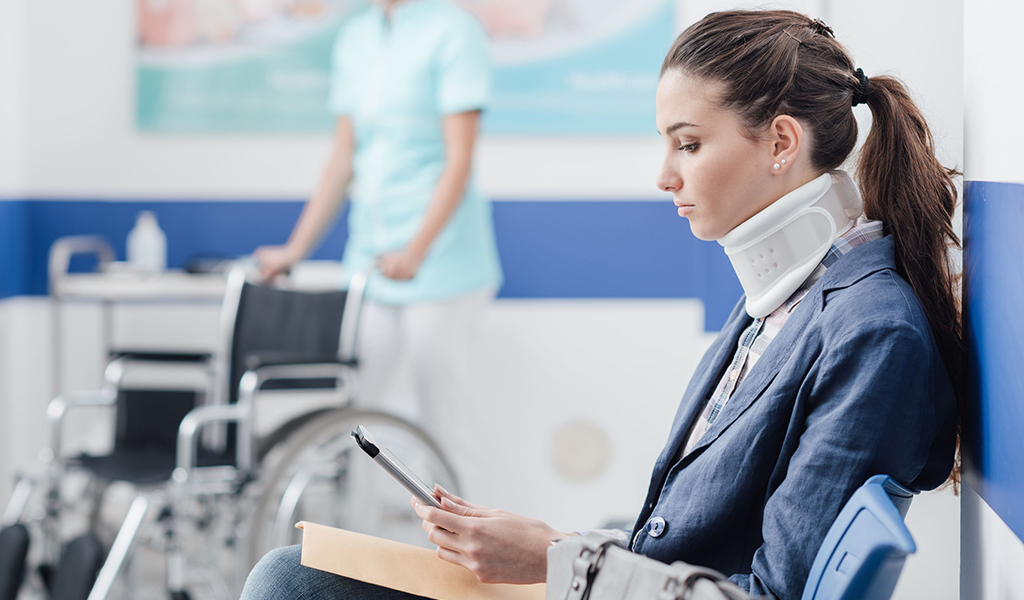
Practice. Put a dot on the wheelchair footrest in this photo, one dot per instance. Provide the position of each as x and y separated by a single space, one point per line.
13 550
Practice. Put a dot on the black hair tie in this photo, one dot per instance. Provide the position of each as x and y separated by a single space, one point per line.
821 28
861 95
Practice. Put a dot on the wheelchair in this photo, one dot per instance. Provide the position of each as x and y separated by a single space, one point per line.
210 493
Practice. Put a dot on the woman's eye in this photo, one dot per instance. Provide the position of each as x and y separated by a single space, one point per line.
689 147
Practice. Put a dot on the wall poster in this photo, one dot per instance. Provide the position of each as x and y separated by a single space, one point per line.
561 66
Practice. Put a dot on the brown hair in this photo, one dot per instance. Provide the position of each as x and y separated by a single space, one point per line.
771 63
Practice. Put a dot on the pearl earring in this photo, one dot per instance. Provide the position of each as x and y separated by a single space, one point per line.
783 161
776 166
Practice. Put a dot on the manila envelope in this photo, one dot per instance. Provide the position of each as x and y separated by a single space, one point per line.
400 566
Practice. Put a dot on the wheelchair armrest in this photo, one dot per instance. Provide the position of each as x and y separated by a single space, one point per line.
242 413
60 406
121 362
171 357
274 358
254 379
192 424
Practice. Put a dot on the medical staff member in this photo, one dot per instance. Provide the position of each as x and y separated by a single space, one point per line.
410 79
844 357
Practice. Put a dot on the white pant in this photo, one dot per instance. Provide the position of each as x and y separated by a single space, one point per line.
416 360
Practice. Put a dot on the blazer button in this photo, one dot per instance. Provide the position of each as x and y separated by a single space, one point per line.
656 526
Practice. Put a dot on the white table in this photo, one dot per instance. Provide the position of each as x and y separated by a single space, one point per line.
116 283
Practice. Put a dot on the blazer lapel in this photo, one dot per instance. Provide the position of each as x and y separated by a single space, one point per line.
854 266
764 372
703 381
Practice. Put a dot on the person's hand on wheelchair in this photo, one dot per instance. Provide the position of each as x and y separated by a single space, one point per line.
496 545
275 260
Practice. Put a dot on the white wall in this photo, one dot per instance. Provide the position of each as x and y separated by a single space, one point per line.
12 64
12 159
623 364
80 104
80 99
993 556
994 58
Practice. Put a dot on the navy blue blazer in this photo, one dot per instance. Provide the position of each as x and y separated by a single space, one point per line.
852 386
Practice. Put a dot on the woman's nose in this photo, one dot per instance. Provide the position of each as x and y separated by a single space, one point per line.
668 179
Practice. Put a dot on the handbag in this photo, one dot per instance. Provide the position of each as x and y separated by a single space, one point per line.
594 567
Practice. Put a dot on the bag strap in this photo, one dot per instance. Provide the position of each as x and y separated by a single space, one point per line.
679 586
586 565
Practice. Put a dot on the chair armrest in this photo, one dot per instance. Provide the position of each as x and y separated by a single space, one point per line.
192 424
121 363
251 382
242 413
60 406
254 379
171 357
274 358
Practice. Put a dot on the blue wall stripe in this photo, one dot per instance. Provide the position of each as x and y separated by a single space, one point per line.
14 249
993 254
556 249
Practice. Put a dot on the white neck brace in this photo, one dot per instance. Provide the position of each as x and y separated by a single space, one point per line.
774 251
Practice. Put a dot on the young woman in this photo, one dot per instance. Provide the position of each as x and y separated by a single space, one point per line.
840 362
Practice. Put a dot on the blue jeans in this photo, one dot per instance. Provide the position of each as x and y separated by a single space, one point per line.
279 576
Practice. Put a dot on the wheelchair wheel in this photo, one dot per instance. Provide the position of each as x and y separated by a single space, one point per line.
318 474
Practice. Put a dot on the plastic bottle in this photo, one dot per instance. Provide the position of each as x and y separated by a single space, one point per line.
147 245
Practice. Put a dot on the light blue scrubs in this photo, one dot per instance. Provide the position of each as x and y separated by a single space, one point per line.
396 79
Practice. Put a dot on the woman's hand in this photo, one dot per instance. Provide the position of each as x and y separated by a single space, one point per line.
275 260
400 265
497 546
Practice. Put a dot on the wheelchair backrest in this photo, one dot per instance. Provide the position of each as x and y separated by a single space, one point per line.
297 325
147 420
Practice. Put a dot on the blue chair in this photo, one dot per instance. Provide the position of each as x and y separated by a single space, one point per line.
864 551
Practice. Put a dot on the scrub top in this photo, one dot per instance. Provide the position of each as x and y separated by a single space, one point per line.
396 79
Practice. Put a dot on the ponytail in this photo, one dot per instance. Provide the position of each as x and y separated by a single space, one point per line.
906 188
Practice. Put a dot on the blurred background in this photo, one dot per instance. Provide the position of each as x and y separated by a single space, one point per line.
216 123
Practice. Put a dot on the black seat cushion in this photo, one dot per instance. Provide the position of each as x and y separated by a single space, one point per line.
145 467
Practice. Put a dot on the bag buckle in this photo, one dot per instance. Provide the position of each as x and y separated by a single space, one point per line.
673 590
584 569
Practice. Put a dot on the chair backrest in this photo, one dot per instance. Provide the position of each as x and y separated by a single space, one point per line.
148 419
865 549
260 320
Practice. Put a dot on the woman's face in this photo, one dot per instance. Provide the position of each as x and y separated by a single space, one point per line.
718 176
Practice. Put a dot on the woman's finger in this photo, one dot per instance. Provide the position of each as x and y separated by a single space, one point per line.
454 557
442 518
458 509
445 539
443 493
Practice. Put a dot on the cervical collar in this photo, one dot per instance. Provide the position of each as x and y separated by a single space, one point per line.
775 251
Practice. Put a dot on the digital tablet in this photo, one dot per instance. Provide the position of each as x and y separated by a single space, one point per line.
390 463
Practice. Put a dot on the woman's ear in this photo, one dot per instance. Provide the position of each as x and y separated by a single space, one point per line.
786 137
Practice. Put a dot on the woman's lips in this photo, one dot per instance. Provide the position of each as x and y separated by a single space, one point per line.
684 209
